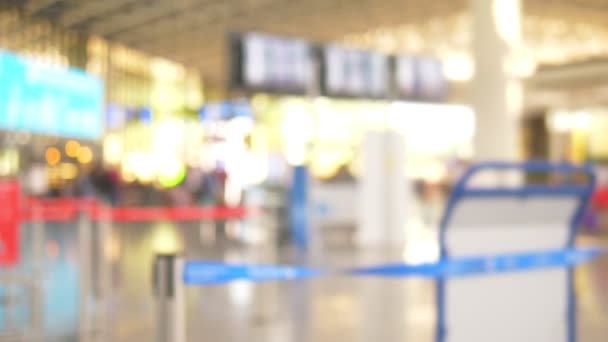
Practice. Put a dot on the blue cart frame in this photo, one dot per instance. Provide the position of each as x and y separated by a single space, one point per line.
463 190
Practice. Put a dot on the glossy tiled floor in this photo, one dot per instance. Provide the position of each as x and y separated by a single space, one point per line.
331 309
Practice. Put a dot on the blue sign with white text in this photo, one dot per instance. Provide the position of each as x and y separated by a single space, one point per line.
50 100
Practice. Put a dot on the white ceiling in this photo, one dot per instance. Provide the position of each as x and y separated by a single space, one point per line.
194 32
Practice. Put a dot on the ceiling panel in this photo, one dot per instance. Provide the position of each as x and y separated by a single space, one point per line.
38 5
191 24
194 31
85 12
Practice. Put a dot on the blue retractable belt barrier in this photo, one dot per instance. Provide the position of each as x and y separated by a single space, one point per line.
484 265
209 273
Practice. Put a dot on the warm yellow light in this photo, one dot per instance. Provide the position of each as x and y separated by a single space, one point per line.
85 155
53 172
72 148
146 178
418 124
112 248
260 101
168 136
582 121
68 171
563 122
165 239
112 149
298 129
9 162
295 154
53 156
458 67
507 16
326 164
145 172
128 177
140 165
171 172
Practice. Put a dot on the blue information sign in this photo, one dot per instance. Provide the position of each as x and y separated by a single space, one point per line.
49 100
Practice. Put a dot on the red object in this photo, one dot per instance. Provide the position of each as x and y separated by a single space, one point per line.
57 209
67 209
136 214
600 198
9 222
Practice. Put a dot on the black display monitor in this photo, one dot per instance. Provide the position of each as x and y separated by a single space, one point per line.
404 76
419 78
266 63
263 62
431 84
349 72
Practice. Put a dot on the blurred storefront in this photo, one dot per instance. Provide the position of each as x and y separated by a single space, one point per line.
152 128
330 137
326 133
145 103
567 121
153 131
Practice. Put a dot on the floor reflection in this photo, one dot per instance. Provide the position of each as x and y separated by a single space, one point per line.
330 309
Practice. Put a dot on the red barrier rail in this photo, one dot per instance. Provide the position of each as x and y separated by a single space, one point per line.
57 209
67 209
177 214
600 198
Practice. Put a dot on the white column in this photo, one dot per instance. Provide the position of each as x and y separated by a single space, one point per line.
496 88
381 191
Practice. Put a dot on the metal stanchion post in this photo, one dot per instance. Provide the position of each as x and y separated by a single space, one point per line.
169 290
105 271
38 279
84 251
10 297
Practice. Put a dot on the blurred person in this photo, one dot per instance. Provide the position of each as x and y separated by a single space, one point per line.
431 197
218 182
592 219
36 180
85 186
193 178
220 177
205 193
114 178
55 189
70 189
456 169
180 195
136 193
152 195
107 182
193 182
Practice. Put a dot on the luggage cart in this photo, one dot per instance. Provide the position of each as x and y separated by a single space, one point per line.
537 305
